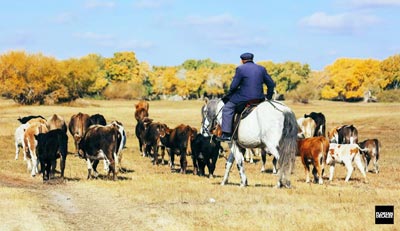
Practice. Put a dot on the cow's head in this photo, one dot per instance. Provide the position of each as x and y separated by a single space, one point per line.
217 130
81 154
163 130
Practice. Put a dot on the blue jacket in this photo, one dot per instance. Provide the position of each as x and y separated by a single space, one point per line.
247 84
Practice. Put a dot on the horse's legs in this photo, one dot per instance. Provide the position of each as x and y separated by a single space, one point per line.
240 166
263 159
284 171
228 167
274 160
238 153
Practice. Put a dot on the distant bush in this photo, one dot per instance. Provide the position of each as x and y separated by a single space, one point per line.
121 90
302 94
389 96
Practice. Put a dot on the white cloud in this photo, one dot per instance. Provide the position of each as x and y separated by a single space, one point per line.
342 23
99 4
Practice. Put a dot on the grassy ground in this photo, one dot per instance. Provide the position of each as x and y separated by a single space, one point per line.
147 197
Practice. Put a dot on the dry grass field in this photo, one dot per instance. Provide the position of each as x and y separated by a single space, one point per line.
147 197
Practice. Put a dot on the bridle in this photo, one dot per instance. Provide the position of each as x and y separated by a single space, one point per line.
213 122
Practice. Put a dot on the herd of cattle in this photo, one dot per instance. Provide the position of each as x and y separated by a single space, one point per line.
45 140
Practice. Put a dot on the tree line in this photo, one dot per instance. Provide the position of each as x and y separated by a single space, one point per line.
39 79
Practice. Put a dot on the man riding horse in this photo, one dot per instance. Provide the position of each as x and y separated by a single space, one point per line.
246 86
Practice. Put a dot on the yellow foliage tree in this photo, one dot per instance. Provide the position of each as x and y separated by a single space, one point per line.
123 67
28 78
84 76
391 71
165 81
350 79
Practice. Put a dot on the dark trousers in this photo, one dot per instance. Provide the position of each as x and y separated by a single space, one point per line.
227 116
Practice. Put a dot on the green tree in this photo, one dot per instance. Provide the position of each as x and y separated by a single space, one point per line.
287 75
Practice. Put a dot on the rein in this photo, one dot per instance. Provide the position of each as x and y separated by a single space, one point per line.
269 101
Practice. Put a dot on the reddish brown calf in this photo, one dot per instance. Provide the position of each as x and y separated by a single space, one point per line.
313 151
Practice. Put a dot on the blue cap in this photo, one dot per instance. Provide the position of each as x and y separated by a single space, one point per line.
247 56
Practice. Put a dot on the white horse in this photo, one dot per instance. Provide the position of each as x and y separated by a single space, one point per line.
271 126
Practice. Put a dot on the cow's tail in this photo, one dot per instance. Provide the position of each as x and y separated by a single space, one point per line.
361 149
189 141
378 146
287 148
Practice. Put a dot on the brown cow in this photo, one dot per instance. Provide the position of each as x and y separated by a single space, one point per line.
179 140
370 151
30 144
140 132
313 151
78 126
346 134
56 122
141 110
152 142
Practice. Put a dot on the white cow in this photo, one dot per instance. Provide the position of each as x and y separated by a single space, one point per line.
307 127
30 144
19 139
345 154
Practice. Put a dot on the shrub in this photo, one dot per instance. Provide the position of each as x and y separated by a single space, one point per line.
302 94
389 96
124 90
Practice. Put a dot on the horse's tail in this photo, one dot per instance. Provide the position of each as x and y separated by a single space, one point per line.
287 148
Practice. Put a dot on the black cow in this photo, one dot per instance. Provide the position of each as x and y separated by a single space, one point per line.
319 118
25 119
51 146
98 119
205 152
100 143
140 131
347 134
179 140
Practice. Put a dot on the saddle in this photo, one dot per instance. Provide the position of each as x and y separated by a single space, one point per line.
242 110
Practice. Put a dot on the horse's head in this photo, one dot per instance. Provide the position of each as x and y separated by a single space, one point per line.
211 115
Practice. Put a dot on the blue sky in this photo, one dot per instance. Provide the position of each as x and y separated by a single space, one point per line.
168 32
